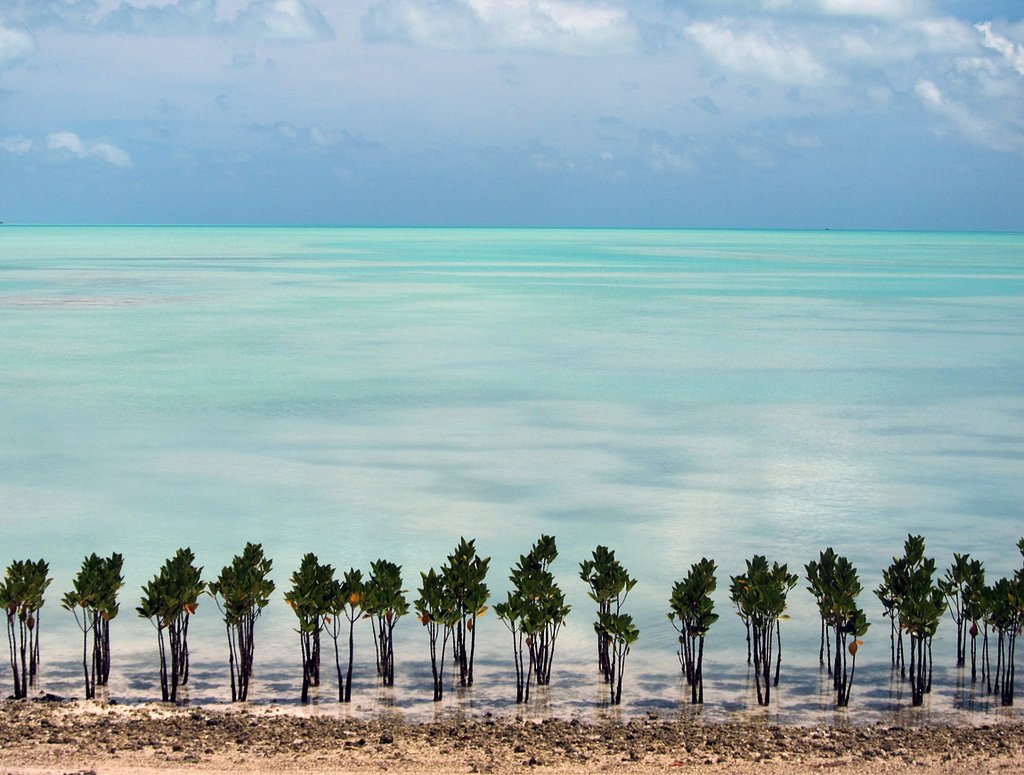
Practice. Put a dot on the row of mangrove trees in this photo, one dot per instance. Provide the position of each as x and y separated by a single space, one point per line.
451 598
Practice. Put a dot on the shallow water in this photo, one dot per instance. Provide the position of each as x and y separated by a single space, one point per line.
379 393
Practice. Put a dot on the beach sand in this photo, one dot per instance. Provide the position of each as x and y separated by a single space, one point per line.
70 737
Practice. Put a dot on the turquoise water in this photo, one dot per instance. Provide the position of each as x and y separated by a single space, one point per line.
379 393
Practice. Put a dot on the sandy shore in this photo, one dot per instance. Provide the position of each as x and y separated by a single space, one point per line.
79 738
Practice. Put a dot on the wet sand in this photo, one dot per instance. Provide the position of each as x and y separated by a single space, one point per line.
80 738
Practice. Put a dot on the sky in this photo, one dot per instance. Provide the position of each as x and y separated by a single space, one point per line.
860 114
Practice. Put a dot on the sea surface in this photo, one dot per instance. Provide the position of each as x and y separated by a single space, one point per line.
365 393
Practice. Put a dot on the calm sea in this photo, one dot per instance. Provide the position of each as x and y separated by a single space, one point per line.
368 393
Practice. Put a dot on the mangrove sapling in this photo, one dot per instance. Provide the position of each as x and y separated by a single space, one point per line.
819 574
385 604
609 585
957 586
346 604
21 596
534 613
513 613
310 599
737 596
975 601
241 592
989 617
1007 617
848 634
760 597
439 612
692 615
545 608
168 601
93 601
920 604
107 608
464 577
619 634
887 596
839 587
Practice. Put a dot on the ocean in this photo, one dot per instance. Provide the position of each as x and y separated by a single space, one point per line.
380 393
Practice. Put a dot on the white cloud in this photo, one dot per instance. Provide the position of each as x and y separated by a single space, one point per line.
283 20
268 19
313 135
316 137
758 53
15 45
557 26
850 46
185 17
929 93
18 144
661 158
1012 52
875 8
988 132
940 35
879 9
48 13
71 143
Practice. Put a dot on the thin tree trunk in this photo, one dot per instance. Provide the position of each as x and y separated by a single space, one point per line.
351 653
85 660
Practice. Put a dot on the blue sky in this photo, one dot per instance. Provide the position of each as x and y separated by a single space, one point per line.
699 113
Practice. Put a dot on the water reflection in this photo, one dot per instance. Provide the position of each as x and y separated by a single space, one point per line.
803 696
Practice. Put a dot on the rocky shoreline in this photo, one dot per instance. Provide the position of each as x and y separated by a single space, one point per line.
74 737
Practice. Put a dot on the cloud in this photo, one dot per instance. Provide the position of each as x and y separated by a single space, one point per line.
758 53
873 8
70 143
315 137
877 9
289 20
67 145
184 17
18 144
663 158
282 20
555 26
15 45
51 13
1012 52
988 132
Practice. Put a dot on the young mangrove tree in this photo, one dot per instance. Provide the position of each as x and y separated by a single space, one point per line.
464 577
346 606
760 600
609 585
93 600
310 600
241 592
439 612
22 597
692 614
920 604
168 601
836 586
385 604
534 613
